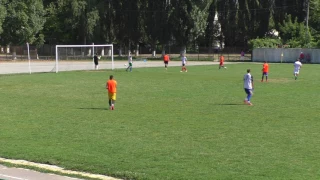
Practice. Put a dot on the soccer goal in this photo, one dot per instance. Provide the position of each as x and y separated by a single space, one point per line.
81 57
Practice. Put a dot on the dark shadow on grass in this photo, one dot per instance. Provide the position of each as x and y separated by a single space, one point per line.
229 104
94 108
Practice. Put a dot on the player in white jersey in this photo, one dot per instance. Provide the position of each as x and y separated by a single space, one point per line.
184 63
130 63
248 86
297 66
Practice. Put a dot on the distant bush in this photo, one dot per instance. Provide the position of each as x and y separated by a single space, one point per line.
264 43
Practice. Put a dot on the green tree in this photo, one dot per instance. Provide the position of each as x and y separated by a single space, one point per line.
54 30
199 17
314 23
136 22
3 13
228 18
23 22
105 29
83 19
297 9
188 20
244 19
157 15
72 21
120 24
129 23
264 43
212 30
294 33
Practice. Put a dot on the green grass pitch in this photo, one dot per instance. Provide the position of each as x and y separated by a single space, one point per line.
167 124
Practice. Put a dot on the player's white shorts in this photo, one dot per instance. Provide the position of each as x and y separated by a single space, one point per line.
296 72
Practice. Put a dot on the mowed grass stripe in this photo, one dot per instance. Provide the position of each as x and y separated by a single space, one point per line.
167 124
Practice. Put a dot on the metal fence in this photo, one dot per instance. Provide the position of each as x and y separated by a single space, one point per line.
17 52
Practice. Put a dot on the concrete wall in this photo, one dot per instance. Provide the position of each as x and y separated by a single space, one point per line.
284 54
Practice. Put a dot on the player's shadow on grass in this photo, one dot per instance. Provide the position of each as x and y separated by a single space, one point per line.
229 104
94 109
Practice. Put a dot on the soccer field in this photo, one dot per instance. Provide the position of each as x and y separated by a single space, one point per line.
167 124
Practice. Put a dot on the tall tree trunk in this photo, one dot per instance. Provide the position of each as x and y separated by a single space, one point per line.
120 50
129 49
137 49
183 50
153 48
84 40
163 50
14 53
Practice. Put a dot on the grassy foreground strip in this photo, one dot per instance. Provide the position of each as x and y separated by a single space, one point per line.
166 124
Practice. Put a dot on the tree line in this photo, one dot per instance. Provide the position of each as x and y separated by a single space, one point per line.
184 23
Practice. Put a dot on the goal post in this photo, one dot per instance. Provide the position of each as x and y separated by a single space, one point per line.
72 51
29 59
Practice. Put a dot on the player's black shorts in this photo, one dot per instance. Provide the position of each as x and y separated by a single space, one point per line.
166 62
96 62
183 64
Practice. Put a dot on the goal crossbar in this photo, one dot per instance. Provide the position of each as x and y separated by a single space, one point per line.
92 46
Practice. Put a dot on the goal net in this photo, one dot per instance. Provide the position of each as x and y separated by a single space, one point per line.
81 57
30 59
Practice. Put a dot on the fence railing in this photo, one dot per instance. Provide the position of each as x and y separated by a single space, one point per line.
47 52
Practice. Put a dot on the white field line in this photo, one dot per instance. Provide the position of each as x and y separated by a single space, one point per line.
12 177
55 169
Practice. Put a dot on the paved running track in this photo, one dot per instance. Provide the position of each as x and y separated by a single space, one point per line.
49 66
8 173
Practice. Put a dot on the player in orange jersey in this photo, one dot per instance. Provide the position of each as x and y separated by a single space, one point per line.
222 62
265 71
166 60
112 91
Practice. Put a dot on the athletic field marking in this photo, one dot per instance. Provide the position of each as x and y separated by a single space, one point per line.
55 169
12 177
